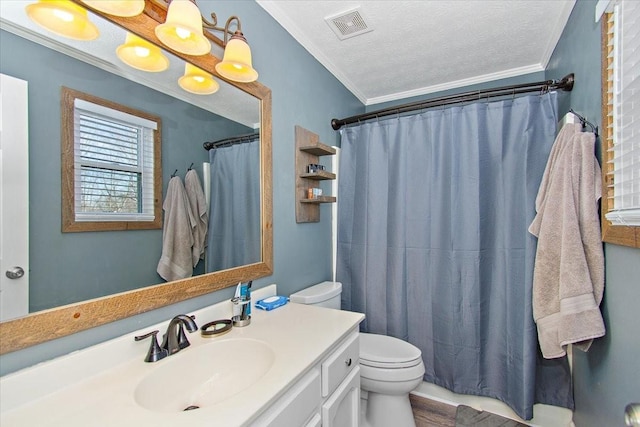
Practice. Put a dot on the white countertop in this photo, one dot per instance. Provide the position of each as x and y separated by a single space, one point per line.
300 336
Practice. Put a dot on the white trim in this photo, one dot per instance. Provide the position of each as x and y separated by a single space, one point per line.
514 72
630 217
602 7
117 217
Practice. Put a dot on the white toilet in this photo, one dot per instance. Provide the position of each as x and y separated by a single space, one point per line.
389 367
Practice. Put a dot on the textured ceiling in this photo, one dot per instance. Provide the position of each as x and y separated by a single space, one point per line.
424 46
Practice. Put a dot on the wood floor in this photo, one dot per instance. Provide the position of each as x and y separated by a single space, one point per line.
429 413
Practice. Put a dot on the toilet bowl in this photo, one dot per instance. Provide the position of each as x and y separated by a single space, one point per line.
389 367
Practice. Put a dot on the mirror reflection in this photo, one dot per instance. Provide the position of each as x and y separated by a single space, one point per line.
69 267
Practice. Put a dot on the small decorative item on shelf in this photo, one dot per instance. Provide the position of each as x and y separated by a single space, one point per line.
314 168
314 193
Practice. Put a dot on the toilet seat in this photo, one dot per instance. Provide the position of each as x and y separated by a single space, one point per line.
381 351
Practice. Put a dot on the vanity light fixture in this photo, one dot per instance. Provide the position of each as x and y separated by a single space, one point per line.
64 18
142 55
182 30
124 8
198 81
236 62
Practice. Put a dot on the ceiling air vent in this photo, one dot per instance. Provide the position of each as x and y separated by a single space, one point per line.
348 24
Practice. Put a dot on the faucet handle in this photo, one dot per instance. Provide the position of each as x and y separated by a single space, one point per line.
155 353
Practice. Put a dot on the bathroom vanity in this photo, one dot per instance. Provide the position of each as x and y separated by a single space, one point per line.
296 365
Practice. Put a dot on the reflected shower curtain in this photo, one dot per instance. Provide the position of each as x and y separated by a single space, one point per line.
433 245
234 209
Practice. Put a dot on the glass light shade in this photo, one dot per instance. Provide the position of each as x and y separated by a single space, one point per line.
138 53
198 81
64 18
124 8
182 30
236 63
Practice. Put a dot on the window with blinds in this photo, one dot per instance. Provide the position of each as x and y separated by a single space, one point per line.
113 164
111 172
621 141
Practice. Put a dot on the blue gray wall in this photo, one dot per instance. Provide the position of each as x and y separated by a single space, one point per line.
608 376
71 267
304 93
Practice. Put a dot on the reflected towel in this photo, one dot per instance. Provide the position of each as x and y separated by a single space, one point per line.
198 205
568 278
177 237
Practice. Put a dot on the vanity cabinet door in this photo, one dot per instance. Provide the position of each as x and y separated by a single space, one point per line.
342 408
297 405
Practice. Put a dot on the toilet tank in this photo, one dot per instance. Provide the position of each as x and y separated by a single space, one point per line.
325 294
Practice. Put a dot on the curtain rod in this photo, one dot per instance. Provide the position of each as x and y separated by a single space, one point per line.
231 141
565 84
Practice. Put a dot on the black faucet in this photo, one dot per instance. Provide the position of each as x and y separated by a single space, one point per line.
175 339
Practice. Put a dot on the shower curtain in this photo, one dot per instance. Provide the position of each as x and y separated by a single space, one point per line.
433 245
234 210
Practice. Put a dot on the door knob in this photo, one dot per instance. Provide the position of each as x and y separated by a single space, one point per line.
15 273
632 415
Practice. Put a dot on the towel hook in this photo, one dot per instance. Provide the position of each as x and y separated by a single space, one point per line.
174 173
584 122
190 167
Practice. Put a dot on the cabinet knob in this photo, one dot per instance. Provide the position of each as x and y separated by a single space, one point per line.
348 362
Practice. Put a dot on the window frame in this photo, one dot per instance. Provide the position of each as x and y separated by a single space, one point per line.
614 234
69 222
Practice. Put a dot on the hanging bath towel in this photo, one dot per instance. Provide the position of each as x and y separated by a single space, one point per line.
177 237
198 205
568 278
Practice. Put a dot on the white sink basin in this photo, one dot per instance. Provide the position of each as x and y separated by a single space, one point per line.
205 375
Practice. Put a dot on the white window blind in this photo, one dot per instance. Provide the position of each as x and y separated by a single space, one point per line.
113 156
626 114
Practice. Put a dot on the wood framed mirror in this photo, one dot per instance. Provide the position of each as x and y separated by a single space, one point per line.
61 321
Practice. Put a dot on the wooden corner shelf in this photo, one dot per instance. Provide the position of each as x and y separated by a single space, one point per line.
308 150
321 199
319 149
319 176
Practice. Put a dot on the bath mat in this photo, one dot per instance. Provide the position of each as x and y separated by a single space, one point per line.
466 416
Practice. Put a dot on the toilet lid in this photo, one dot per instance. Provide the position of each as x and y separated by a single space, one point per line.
381 351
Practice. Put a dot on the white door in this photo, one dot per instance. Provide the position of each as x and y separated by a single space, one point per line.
14 198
